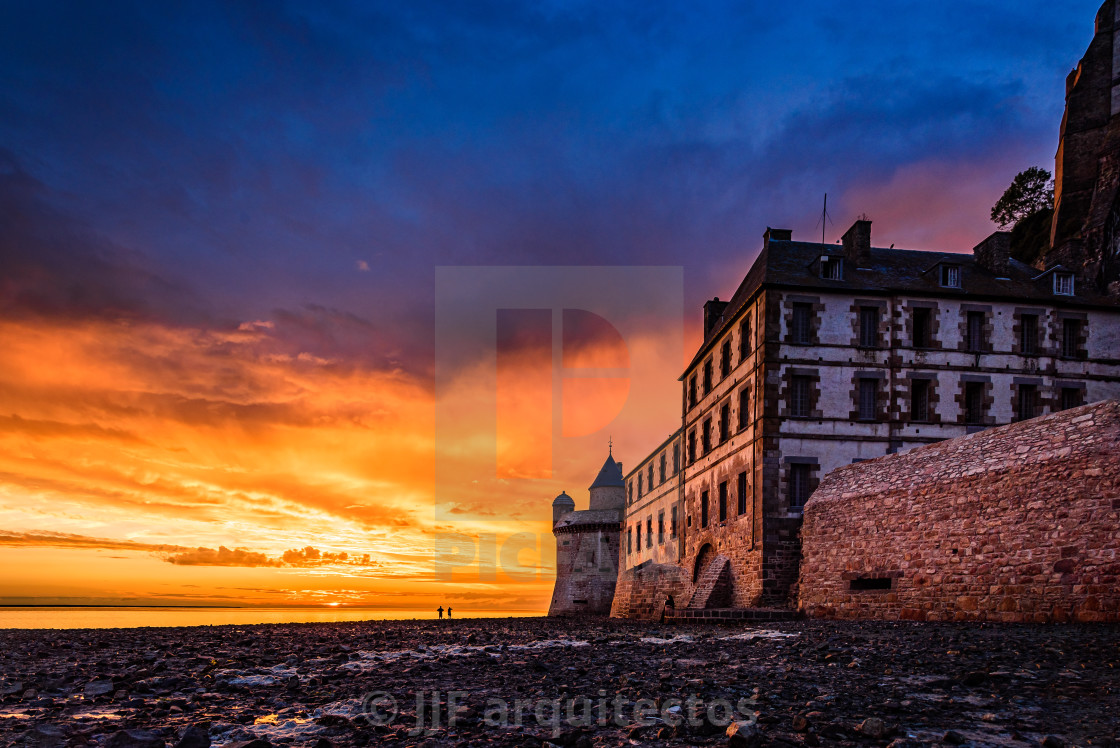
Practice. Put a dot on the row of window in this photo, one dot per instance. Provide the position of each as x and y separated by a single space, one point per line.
634 532
722 506
706 444
725 364
644 481
798 488
870 397
976 330
1026 405
949 275
799 485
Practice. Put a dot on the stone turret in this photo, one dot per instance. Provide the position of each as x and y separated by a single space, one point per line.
587 546
609 489
561 505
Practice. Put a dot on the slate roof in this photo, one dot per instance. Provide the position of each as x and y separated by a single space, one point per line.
609 475
793 264
590 517
563 498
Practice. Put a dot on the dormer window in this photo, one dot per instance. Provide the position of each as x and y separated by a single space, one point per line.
951 276
1063 284
832 268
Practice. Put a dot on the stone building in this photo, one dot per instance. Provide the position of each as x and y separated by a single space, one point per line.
587 546
827 355
650 577
1020 523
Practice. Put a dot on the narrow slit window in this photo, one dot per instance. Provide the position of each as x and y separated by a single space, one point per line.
921 328
868 394
1028 334
741 504
869 327
799 397
919 400
798 485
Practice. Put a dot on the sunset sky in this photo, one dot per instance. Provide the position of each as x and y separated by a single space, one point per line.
245 358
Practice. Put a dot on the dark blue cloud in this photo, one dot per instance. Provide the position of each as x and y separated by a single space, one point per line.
256 153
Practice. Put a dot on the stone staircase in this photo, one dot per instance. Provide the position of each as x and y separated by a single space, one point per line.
713 588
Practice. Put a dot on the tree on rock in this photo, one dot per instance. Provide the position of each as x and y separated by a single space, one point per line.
1032 190
1027 206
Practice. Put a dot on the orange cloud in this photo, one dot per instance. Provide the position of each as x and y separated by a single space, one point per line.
228 452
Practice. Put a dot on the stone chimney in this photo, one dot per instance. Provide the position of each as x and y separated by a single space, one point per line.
778 235
713 312
994 253
857 244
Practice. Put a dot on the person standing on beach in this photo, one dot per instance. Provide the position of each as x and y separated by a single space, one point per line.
449 612
440 611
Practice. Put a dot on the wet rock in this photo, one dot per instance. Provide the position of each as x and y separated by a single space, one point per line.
43 736
97 688
1053 741
873 727
973 679
195 736
11 689
952 737
743 734
254 743
135 739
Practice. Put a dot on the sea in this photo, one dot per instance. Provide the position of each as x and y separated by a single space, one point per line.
80 617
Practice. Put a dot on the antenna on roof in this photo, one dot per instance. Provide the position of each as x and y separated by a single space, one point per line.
825 217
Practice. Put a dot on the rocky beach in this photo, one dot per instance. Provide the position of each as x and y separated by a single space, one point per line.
567 682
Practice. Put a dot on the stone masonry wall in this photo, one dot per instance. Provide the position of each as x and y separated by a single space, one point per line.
1018 523
642 592
586 570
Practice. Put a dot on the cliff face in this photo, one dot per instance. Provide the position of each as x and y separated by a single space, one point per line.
1084 233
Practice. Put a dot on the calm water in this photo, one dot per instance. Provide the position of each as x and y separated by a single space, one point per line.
109 618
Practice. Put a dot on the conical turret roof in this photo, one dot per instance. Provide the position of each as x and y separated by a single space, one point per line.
609 475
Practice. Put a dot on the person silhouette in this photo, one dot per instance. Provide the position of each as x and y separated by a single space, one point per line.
448 612
440 611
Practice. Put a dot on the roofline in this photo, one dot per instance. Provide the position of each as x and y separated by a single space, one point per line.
941 293
676 434
710 342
